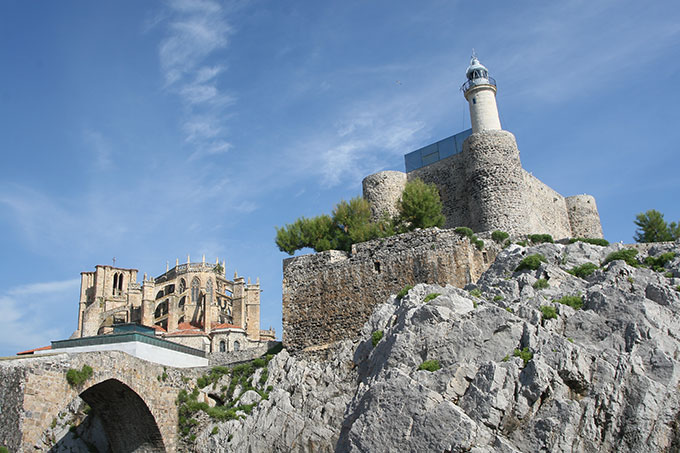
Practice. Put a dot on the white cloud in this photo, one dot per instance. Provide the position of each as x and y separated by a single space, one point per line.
196 31
100 148
28 319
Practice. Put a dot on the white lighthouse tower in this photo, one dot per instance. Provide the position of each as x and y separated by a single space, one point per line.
480 92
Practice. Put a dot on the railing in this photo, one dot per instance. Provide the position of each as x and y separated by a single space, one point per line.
474 82
125 338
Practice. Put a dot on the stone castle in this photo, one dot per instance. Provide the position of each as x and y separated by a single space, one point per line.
484 186
193 304
328 296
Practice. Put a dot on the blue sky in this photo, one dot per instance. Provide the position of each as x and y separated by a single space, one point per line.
152 130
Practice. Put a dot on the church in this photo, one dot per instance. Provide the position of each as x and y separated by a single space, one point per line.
192 304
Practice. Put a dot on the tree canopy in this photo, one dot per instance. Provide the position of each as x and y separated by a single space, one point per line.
350 222
651 227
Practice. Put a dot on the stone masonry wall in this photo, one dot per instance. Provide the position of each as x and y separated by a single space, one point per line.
383 191
485 188
448 175
584 217
548 210
329 295
34 390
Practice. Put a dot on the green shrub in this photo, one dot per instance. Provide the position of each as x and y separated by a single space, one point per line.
524 354
497 297
575 302
506 358
540 238
264 376
376 337
541 283
668 274
75 377
259 362
478 243
4 450
658 263
509 309
214 431
419 207
531 262
499 236
522 243
594 241
404 291
431 296
465 231
570 340
202 382
653 228
430 365
475 292
548 312
627 255
583 270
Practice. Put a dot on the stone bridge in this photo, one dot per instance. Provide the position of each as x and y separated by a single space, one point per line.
134 400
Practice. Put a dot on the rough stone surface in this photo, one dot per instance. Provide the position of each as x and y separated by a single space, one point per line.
133 403
485 188
328 296
383 191
603 378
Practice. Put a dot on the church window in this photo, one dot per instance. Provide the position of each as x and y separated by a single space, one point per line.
182 286
237 346
195 284
223 346
115 283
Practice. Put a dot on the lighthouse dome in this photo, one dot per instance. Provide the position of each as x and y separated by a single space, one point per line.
476 70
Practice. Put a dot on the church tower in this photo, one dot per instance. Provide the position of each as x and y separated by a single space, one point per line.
480 92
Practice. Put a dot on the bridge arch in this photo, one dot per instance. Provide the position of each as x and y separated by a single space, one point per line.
130 405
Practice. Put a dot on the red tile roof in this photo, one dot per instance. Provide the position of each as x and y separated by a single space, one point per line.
31 351
224 326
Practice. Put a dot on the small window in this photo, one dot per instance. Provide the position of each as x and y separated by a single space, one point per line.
376 266
474 100
237 346
223 346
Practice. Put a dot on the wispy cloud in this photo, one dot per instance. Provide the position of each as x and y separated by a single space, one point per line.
28 319
196 31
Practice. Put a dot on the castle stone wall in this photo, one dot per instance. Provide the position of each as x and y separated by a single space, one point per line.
547 209
383 191
485 188
584 217
494 182
328 296
448 175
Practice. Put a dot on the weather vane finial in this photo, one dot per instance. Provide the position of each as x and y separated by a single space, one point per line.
474 54
114 260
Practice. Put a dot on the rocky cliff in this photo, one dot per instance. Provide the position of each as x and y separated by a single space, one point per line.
526 360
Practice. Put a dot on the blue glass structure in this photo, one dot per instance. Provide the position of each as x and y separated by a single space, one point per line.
436 151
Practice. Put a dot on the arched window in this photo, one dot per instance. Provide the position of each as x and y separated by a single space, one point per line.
162 309
209 291
237 346
223 346
115 283
182 285
195 284
120 283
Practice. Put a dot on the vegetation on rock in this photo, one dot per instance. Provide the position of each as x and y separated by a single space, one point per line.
548 312
430 365
583 270
541 283
404 291
350 223
499 236
593 241
627 255
541 238
431 296
531 262
76 377
575 302
525 354
376 337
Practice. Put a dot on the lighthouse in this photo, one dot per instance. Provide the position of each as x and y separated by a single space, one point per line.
480 92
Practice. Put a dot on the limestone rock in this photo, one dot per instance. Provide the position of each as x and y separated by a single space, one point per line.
601 378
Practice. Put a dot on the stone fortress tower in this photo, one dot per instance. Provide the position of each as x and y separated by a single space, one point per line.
480 178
